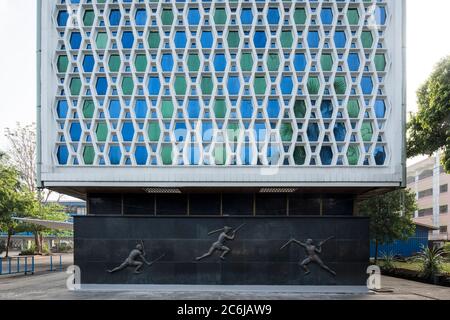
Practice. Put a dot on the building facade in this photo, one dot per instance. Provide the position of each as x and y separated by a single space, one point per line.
429 181
204 112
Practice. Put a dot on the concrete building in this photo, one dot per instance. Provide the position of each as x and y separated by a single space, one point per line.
173 119
429 181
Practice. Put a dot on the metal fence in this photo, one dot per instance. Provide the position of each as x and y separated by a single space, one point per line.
30 264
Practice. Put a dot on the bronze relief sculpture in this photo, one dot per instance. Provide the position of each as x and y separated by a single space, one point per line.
226 234
313 251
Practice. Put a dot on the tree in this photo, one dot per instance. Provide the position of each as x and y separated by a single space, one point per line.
390 216
429 128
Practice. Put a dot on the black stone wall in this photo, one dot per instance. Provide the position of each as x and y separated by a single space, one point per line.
104 242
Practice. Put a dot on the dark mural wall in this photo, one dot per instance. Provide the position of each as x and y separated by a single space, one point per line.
104 242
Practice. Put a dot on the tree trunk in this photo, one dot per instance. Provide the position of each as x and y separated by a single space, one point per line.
8 243
37 243
41 241
376 251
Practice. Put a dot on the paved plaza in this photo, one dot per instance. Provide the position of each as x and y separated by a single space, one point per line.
52 286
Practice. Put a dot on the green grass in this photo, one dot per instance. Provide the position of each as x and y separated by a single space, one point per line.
416 266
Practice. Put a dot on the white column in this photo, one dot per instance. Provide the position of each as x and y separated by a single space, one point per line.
436 192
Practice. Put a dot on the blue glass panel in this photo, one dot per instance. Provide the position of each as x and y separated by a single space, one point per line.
326 108
62 109
154 86
180 39
141 17
207 131
339 132
300 62
220 62
63 16
246 154
353 62
167 62
75 40
246 108
313 39
273 154
114 109
326 16
273 108
260 39
380 109
380 155
286 85
260 131
141 108
180 131
75 132
326 156
88 63
340 39
128 131
246 16
313 132
193 108
367 85
193 154
114 17
101 86
63 155
273 16
114 155
233 85
193 16
380 15
141 155
127 40
207 39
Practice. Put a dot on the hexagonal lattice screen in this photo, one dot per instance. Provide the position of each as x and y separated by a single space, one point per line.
221 83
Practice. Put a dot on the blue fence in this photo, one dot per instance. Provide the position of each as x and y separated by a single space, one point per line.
29 265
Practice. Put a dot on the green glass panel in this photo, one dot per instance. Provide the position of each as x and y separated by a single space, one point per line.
313 85
367 39
273 62
366 131
89 155
353 155
75 86
220 154
300 109
167 17
286 132
220 16
233 39
127 86
299 155
101 40
380 62
286 39
246 62
180 85
207 85
260 85
193 63
141 63
233 131
220 108
101 131
153 39
353 16
166 154
326 61
88 109
114 63
167 109
88 19
154 131
62 63
300 16
340 85
353 108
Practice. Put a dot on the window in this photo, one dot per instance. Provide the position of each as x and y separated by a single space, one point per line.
426 212
304 205
105 204
271 204
204 204
426 174
338 205
443 229
425 193
443 209
239 204
138 204
171 204
443 188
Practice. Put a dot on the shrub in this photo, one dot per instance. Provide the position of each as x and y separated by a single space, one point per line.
28 252
431 260
388 261
2 247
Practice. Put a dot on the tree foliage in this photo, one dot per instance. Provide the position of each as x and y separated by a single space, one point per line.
429 128
391 216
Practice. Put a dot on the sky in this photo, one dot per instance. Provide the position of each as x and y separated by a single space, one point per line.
427 30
